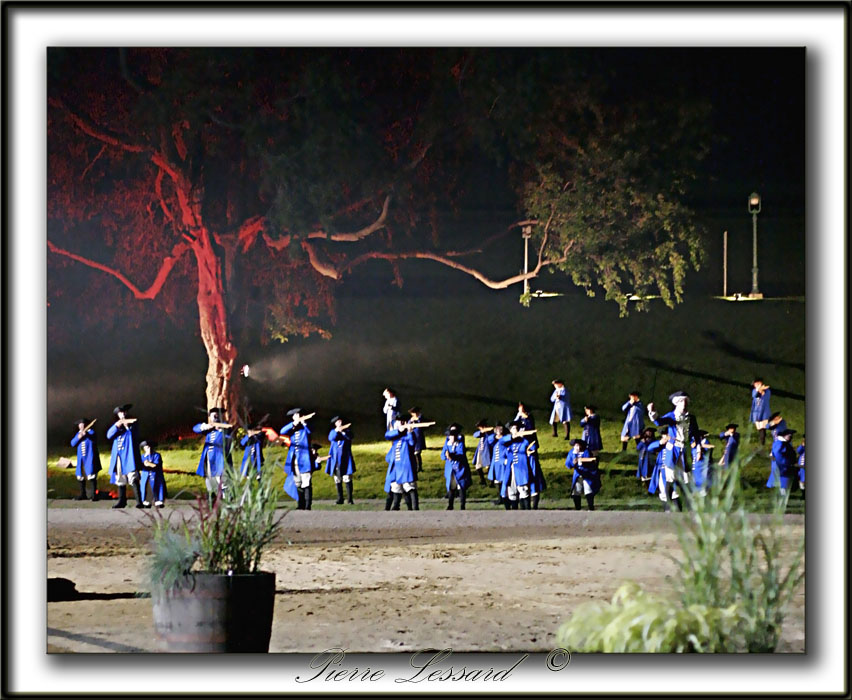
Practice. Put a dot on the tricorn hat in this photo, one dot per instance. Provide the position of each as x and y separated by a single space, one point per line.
84 421
414 410
733 426
315 446
785 432
515 423
775 415
143 444
335 419
453 428
678 395
580 442
650 430
635 393
215 409
482 423
123 408
294 411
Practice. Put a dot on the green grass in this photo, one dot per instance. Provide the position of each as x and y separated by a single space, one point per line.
468 358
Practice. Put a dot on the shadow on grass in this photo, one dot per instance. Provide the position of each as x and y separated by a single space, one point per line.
729 348
659 365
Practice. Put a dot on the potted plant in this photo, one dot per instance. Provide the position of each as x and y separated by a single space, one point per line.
207 589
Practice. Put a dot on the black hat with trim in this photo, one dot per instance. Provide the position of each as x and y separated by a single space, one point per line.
123 408
732 426
294 411
579 441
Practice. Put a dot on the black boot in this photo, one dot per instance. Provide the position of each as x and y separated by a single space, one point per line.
590 499
525 503
514 504
507 504
482 479
397 497
669 496
82 495
568 431
408 503
500 500
137 491
309 497
577 501
462 498
94 489
535 501
349 493
339 500
452 496
555 430
762 435
388 501
415 499
122 497
624 445
301 504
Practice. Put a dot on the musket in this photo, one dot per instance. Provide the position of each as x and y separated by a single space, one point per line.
221 426
302 419
125 421
343 427
524 433
85 430
418 425
323 459
486 429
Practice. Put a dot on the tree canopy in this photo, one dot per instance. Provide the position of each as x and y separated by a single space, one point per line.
264 177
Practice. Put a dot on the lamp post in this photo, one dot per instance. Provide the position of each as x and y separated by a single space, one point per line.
526 231
754 210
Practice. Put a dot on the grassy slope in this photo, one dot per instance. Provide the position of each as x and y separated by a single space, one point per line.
462 361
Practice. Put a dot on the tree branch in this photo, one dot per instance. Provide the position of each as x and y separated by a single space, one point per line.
95 131
94 160
168 263
357 235
443 260
158 186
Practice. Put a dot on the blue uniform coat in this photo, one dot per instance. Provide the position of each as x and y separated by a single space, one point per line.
702 474
587 471
729 451
517 462
484 448
125 447
153 476
340 453
785 465
592 432
455 464
497 470
253 455
400 458
800 454
634 422
760 406
561 400
643 470
666 457
299 452
217 445
88 459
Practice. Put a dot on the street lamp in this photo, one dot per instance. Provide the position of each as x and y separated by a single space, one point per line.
754 210
526 231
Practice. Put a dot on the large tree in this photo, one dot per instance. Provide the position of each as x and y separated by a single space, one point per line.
265 176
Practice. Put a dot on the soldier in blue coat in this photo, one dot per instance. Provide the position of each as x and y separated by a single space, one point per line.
299 463
216 452
88 459
252 444
497 470
643 470
800 460
456 469
537 481
760 410
391 407
702 453
634 420
484 435
561 413
667 476
681 425
786 461
419 439
731 446
586 480
124 461
518 473
399 480
152 476
340 465
591 423
775 424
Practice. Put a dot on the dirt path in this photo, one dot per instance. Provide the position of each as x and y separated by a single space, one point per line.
380 582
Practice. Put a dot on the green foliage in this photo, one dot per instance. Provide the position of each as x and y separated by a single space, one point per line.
225 532
733 584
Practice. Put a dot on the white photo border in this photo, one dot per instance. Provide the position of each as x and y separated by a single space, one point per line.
30 29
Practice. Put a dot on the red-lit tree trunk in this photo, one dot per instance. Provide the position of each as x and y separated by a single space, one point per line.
221 389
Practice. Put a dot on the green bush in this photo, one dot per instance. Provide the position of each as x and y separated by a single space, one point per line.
731 587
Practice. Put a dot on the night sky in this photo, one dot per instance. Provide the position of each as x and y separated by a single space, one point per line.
758 117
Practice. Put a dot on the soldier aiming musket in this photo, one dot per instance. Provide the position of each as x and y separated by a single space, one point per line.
217 449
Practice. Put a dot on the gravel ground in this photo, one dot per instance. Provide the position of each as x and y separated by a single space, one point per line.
376 581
